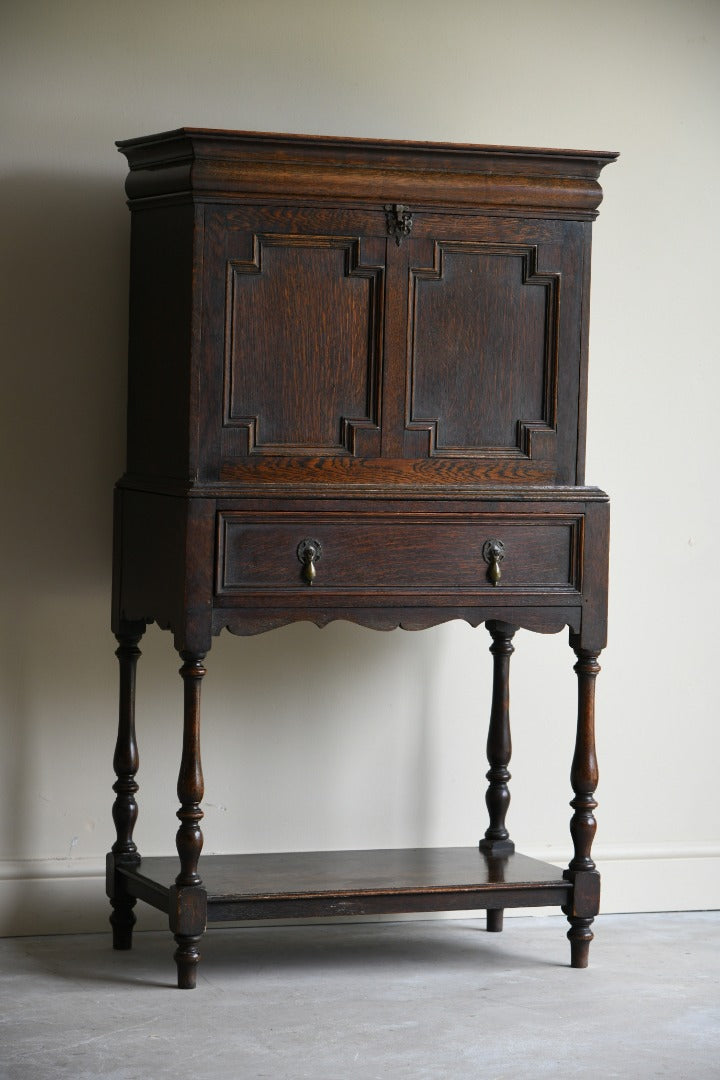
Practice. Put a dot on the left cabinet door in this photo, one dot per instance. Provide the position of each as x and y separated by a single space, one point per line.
292 336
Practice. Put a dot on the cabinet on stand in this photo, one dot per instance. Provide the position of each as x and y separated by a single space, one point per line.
357 390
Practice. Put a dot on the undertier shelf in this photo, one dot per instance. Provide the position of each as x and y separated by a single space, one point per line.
326 883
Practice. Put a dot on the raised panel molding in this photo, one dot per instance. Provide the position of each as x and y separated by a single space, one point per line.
532 437
353 373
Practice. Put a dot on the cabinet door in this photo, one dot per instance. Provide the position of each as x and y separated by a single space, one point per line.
336 351
293 301
495 345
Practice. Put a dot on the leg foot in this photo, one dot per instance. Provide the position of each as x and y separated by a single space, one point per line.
187 957
579 935
494 920
122 921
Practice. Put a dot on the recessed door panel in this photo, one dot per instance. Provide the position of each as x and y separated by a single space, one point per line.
482 350
301 348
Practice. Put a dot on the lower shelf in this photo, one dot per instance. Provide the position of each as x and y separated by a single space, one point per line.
326 883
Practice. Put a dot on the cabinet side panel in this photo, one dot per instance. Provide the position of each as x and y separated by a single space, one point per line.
149 558
159 377
572 351
164 564
593 634
583 317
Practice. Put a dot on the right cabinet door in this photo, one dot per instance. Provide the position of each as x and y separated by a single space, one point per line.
495 344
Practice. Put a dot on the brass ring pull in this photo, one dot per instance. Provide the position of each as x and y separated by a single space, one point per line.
309 552
493 553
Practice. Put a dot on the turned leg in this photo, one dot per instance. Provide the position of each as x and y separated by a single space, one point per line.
124 811
584 778
188 897
496 841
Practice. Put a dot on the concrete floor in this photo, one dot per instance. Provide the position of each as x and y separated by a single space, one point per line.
393 1001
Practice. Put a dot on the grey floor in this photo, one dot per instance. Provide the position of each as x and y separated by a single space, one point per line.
436 999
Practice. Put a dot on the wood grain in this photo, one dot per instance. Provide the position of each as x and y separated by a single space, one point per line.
324 874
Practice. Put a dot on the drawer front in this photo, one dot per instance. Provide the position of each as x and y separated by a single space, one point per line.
396 555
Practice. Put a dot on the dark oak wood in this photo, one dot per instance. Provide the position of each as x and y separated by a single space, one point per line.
494 920
190 787
584 779
188 893
125 763
584 772
499 744
313 169
126 759
357 390
318 883
259 553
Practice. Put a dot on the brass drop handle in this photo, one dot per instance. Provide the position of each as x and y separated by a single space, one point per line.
493 553
309 552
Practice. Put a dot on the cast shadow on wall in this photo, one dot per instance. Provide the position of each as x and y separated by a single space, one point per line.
64 297
66 242
66 252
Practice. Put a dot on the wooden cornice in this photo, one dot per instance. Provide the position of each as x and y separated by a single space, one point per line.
209 164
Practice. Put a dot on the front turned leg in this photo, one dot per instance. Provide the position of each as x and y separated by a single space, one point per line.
188 901
496 841
125 763
499 746
585 902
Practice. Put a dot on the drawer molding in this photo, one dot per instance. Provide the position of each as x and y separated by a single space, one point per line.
397 555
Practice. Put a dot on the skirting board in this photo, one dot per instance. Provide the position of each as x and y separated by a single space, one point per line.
67 896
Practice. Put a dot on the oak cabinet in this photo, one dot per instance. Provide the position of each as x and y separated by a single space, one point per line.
357 390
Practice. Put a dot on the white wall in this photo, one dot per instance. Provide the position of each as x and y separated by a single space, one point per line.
345 737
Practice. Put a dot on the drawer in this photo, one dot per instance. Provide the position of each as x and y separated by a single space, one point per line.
391 554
